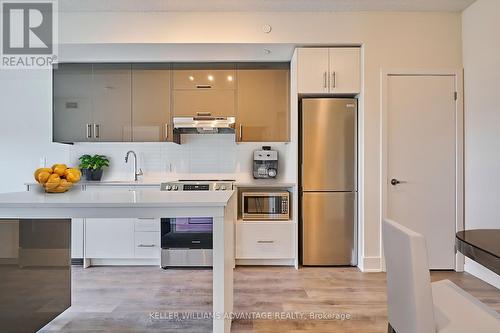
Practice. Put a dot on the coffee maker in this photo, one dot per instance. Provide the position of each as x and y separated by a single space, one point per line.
265 163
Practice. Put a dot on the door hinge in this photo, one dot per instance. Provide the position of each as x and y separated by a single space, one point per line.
455 95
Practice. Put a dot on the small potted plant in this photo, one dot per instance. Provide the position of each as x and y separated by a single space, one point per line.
92 166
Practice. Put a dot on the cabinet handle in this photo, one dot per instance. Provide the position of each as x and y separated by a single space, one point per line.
97 131
241 132
89 131
204 114
265 241
325 76
166 132
146 245
203 86
334 80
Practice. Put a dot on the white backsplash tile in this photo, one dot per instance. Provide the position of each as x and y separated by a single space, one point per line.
197 155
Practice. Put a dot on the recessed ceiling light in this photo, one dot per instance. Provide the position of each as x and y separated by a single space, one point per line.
210 78
191 78
229 78
266 28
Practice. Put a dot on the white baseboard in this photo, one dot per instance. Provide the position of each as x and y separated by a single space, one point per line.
482 273
124 262
265 262
371 265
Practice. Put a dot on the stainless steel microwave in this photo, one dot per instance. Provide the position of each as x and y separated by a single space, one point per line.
265 205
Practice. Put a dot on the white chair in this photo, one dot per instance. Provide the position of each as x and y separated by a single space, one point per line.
415 305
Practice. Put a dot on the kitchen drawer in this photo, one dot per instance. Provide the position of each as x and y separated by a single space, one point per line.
147 224
265 240
204 79
147 245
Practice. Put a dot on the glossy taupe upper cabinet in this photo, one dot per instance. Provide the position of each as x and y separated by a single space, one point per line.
92 103
151 120
112 85
136 102
72 103
204 90
263 104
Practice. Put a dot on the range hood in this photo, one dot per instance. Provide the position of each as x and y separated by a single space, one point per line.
204 125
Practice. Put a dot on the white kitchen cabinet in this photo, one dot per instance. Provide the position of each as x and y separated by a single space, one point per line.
345 71
77 238
147 224
329 70
265 240
109 238
313 70
147 245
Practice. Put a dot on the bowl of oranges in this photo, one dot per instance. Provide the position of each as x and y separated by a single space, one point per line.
58 179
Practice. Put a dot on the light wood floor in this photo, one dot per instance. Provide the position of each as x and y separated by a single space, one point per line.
121 299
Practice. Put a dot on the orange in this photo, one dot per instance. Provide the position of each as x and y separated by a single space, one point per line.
53 181
40 170
43 177
73 175
59 169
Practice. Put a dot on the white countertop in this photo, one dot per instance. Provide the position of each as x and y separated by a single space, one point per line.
156 183
144 198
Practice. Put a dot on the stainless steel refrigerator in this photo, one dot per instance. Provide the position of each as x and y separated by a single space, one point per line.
328 152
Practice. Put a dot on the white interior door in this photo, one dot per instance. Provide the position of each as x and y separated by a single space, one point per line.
421 156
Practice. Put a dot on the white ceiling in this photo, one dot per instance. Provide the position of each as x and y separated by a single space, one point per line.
264 5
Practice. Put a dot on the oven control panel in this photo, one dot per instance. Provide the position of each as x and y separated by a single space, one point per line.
197 186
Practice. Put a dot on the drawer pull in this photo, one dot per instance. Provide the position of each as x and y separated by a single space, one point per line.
146 245
265 241
195 242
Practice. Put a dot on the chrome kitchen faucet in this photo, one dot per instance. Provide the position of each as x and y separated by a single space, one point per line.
136 173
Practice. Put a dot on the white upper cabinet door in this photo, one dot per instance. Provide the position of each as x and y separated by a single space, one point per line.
313 70
344 70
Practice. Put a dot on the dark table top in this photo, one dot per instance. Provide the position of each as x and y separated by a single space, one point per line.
482 246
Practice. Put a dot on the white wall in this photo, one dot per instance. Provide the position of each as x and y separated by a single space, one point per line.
199 156
481 53
390 40
26 127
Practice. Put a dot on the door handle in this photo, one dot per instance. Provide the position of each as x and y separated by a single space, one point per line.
325 78
334 80
395 182
241 132
97 131
166 132
89 131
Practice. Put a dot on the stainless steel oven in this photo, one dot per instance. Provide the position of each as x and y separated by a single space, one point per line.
263 205
187 241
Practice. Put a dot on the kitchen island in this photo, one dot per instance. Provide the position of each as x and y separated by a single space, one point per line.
34 210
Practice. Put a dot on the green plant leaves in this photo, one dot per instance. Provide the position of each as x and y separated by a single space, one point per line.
95 162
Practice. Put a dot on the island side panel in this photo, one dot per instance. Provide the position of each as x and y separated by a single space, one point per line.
223 265
35 272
